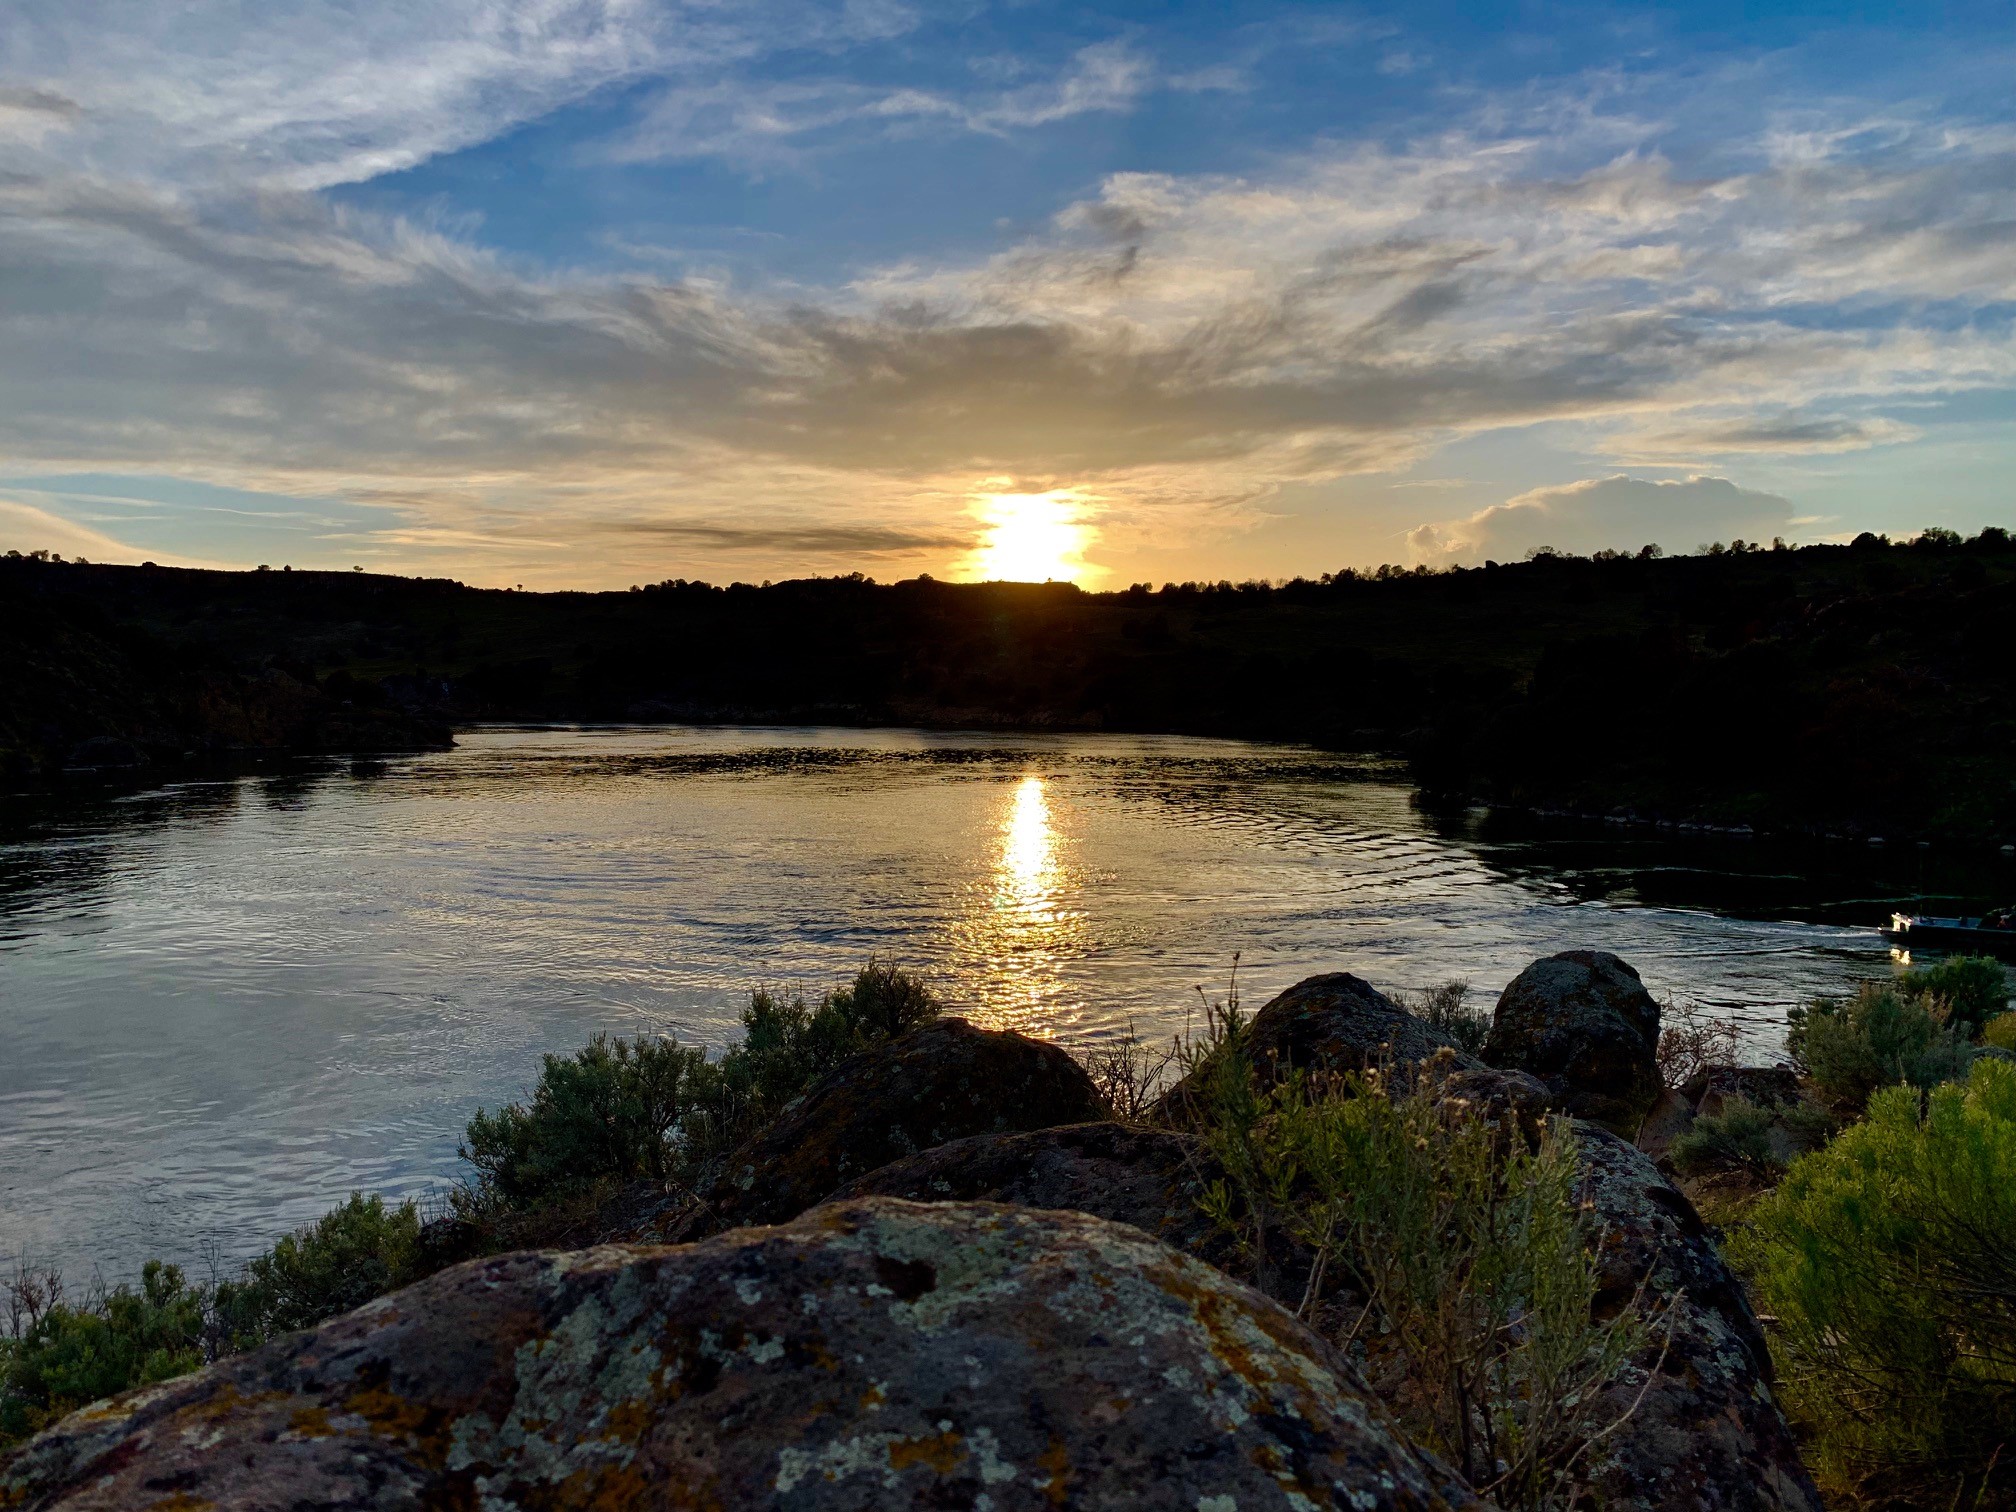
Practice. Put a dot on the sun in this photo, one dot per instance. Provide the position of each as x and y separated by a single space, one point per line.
1033 538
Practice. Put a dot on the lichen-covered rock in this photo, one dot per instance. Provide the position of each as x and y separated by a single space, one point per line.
1337 1022
945 1081
1150 1178
877 1354
1583 1023
1707 1435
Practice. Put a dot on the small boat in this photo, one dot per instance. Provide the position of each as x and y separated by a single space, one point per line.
1989 935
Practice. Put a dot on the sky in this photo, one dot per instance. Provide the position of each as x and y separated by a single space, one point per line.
589 293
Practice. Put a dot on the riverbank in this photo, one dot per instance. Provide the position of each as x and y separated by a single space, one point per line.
1855 690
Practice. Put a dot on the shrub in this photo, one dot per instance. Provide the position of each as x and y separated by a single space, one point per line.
1889 1262
1466 1259
622 1110
1999 1033
1875 1039
1972 989
60 1357
1128 1074
604 1112
1736 1139
1690 1043
354 1252
1444 1008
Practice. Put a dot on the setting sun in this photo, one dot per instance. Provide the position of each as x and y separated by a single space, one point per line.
1032 538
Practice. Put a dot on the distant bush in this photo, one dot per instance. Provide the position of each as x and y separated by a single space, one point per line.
1999 1033
1971 989
58 1356
1462 1256
623 1110
1878 1038
1445 1008
1736 1139
1888 1261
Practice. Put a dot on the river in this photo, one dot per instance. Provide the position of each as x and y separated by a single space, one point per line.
224 1005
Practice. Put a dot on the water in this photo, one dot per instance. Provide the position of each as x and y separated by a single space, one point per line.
225 1005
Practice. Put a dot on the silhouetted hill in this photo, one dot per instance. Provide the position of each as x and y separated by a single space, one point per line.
1864 687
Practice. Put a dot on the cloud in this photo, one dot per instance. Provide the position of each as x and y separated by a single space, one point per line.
828 540
25 528
322 92
764 123
1618 513
1174 347
1784 435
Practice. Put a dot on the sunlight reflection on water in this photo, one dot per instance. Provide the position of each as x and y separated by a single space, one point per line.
223 1005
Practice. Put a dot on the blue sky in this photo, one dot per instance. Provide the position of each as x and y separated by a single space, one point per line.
593 292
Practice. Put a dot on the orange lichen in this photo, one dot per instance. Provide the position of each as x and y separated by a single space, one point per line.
940 1452
1056 1460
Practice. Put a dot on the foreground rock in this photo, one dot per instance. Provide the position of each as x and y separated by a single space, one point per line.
1337 1022
879 1354
945 1081
1707 1435
1150 1178
1583 1023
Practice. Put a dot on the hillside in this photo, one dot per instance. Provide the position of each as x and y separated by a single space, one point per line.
1862 688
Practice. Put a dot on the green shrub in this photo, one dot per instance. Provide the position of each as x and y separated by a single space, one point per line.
1736 1139
1464 1260
1445 1008
605 1112
1972 989
354 1252
1999 1033
620 1110
61 1357
1875 1039
1888 1260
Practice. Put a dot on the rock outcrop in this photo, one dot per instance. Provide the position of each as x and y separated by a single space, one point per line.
1337 1022
1150 1178
945 1081
1706 1436
878 1354
1583 1023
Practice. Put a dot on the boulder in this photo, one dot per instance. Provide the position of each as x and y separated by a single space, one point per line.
945 1081
1150 1178
1337 1022
1706 1436
1583 1023
874 1354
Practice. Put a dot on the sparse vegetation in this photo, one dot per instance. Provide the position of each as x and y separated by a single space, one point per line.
1447 1008
1442 1248
1129 1073
1690 1042
1888 1262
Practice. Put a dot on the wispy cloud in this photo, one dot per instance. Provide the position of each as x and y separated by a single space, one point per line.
767 123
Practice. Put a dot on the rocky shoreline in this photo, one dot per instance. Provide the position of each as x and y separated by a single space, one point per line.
948 1277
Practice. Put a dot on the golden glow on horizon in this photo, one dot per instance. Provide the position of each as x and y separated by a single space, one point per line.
1033 538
